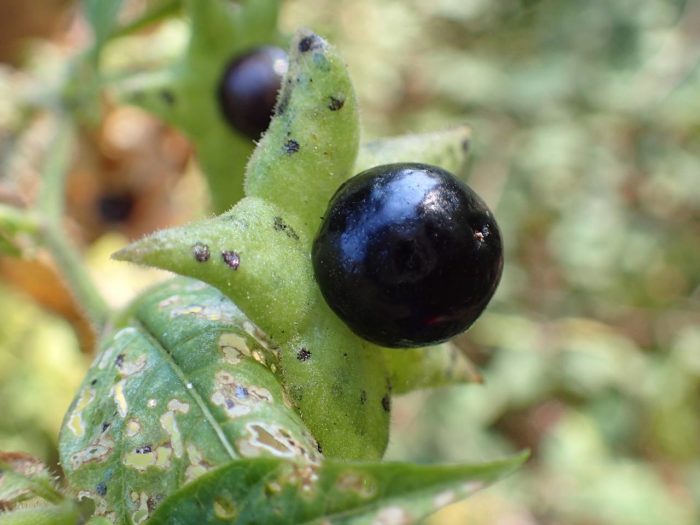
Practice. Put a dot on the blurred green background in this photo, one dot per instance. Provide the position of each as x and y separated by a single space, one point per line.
586 143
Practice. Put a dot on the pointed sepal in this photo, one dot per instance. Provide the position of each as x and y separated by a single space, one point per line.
433 366
256 254
311 144
447 148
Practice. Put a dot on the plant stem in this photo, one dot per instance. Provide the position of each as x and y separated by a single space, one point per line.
156 13
50 207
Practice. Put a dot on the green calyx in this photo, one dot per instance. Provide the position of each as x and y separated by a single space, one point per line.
258 254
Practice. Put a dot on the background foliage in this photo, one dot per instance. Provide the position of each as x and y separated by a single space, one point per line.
586 133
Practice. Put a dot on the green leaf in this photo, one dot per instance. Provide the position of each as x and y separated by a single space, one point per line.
312 141
67 513
447 149
276 492
257 255
184 94
183 383
24 478
415 368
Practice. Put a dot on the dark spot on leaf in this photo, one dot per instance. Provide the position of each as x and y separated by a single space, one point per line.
363 397
241 392
167 96
101 488
303 355
152 502
291 146
200 252
309 42
105 426
146 449
319 448
229 403
280 225
386 403
336 103
119 361
345 354
93 382
466 144
232 259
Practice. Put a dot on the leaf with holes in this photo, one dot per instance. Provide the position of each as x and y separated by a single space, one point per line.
277 492
184 382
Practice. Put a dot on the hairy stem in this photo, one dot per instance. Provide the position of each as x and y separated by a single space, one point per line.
50 207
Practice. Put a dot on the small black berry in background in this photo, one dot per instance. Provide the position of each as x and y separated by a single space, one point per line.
116 207
248 89
407 255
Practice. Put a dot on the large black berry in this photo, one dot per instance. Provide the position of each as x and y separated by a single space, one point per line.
407 255
248 89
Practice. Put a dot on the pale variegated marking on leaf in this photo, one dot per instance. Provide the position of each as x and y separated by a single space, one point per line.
101 507
233 347
117 393
224 509
305 477
264 438
126 369
169 301
273 487
236 398
130 368
261 338
141 513
108 355
133 427
393 516
96 452
144 457
215 313
152 403
75 421
169 424
362 484
198 465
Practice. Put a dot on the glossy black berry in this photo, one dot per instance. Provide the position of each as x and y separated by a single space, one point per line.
407 255
248 89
